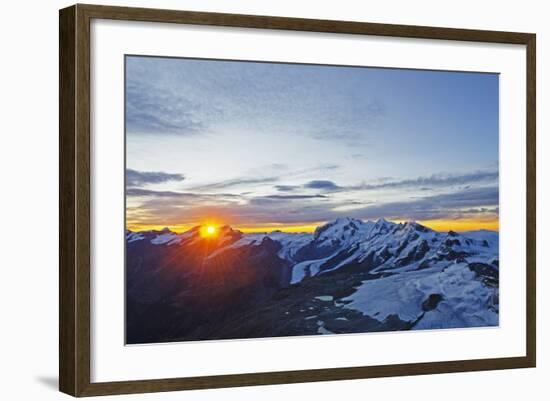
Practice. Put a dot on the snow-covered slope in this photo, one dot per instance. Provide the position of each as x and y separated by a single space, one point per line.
447 297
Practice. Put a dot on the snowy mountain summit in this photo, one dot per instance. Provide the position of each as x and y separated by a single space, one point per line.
347 276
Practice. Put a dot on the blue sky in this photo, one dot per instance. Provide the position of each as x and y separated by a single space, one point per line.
265 144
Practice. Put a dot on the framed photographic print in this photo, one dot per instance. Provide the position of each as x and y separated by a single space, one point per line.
251 200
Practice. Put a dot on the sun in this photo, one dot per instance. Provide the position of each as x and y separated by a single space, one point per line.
209 231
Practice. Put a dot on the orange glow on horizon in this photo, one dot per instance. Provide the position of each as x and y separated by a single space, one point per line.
181 228
211 229
304 228
461 224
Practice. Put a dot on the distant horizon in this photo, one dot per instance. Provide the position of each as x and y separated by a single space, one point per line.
269 146
461 226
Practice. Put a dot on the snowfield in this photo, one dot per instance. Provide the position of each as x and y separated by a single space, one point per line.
461 300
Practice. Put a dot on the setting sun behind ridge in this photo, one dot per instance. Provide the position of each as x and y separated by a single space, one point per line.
208 231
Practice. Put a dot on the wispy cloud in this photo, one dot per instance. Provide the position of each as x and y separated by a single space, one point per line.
455 204
136 178
435 180
284 199
180 198
427 183
351 125
322 184
237 182
251 179
157 110
287 188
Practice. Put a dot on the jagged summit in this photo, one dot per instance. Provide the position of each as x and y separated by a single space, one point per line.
342 229
413 225
345 220
342 222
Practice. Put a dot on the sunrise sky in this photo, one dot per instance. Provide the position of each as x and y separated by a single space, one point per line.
263 146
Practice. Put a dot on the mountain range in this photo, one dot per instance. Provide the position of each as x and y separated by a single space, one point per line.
349 276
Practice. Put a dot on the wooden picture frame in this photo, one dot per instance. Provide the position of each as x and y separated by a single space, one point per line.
74 203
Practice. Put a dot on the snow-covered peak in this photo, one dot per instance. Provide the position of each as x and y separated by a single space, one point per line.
133 237
382 226
345 220
382 222
342 228
167 237
227 230
228 234
413 226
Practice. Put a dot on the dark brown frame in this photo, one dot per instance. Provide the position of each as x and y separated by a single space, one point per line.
74 199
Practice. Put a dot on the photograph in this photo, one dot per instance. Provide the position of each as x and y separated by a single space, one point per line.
269 199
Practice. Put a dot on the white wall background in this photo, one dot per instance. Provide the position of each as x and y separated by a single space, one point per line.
28 198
